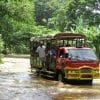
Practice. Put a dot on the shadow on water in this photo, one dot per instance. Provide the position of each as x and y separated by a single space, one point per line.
78 82
71 82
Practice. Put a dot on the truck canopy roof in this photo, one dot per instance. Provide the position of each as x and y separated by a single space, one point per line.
69 36
59 36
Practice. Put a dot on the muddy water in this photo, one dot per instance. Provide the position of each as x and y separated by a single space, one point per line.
18 83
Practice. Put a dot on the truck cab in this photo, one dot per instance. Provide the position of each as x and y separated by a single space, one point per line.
78 63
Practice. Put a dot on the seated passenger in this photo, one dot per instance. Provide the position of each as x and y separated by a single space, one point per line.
53 51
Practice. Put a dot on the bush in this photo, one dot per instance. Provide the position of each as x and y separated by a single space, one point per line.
5 51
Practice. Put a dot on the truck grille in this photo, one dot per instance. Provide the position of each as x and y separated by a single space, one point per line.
86 70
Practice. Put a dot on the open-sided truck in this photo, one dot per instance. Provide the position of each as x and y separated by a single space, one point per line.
72 59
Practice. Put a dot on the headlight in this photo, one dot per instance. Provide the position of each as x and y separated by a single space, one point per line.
96 71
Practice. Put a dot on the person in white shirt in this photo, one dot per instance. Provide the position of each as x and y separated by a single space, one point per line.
41 52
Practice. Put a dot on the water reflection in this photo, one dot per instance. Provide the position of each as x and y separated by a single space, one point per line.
22 85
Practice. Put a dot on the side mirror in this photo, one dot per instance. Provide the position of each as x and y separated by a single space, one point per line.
61 56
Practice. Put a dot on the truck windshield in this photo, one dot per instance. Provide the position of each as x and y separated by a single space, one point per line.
81 54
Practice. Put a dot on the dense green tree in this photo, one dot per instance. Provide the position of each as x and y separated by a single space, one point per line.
14 15
43 11
66 15
96 42
21 19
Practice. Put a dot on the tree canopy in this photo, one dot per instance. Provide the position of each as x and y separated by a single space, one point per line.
21 19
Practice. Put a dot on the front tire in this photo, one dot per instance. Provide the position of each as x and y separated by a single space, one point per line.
59 76
89 82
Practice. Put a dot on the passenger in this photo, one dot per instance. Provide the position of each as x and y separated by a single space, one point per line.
50 53
53 55
41 52
53 51
48 58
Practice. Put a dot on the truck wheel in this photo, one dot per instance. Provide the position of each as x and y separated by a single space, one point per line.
89 82
60 76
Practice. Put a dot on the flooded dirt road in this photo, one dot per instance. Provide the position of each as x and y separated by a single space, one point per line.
18 83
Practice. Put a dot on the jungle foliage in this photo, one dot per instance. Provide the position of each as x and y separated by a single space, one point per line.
22 19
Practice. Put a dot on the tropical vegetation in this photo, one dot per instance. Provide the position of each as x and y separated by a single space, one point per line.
22 19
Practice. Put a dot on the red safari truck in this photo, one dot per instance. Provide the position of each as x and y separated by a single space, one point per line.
72 59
